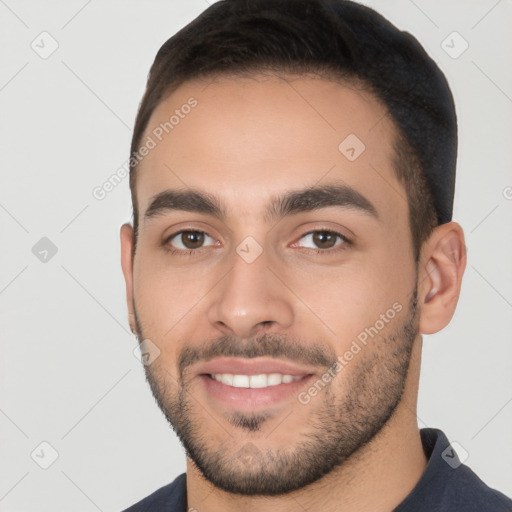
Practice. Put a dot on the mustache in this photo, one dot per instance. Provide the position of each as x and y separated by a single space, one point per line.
267 345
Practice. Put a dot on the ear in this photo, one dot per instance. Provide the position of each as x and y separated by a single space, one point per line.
442 265
127 266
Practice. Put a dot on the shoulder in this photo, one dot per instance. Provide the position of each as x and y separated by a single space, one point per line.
468 492
448 485
171 497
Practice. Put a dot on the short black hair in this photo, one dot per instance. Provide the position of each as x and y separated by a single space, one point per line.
338 39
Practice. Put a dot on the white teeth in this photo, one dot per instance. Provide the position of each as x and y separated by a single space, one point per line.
262 380
227 378
274 379
240 381
258 381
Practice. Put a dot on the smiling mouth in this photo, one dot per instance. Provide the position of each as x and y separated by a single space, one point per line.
262 380
252 392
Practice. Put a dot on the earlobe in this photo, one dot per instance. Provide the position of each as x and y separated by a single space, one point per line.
441 269
131 321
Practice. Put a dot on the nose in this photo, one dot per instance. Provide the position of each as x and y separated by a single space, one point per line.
250 299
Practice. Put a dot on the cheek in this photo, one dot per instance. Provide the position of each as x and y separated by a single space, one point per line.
167 296
351 298
345 302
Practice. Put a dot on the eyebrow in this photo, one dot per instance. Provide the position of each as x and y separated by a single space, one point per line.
292 202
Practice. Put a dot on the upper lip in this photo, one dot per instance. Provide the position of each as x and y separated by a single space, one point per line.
255 366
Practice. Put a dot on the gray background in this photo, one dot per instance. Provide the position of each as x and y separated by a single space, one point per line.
68 374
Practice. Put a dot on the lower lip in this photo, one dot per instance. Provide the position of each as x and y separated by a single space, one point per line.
248 399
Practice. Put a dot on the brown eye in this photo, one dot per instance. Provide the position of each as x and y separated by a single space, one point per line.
190 240
322 239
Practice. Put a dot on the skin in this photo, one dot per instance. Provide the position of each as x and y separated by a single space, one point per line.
249 139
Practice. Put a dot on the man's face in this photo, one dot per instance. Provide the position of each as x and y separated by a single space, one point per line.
276 274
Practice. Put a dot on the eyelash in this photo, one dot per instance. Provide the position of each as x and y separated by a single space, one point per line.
193 252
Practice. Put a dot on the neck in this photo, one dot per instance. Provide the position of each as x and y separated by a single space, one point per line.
377 477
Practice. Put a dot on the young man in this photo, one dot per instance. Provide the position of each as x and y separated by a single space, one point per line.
292 177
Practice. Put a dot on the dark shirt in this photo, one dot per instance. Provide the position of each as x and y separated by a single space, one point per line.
445 486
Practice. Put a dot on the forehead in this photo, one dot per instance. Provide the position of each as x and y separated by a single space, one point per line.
245 139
